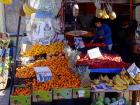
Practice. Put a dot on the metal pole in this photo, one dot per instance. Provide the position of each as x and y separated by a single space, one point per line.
16 50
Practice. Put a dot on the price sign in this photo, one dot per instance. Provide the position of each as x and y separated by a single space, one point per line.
43 74
133 70
38 31
94 53
44 42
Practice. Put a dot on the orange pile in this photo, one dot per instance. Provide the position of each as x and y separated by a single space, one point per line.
38 49
22 91
25 72
62 77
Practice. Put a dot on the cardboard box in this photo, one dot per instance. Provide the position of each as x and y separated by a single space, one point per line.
59 94
81 93
42 96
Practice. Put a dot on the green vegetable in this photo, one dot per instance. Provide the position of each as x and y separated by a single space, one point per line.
107 101
100 98
99 103
113 100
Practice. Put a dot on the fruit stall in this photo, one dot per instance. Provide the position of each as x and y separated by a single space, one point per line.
56 74
57 68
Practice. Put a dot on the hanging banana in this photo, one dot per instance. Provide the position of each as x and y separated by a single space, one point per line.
7 2
28 9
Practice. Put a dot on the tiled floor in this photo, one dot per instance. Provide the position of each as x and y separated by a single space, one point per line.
4 97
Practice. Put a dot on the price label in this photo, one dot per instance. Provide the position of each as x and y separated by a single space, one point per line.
38 31
133 70
44 42
94 53
43 74
81 93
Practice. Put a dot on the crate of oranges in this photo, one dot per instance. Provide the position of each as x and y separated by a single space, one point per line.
21 95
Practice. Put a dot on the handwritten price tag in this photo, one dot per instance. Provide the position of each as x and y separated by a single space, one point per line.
133 70
43 74
94 53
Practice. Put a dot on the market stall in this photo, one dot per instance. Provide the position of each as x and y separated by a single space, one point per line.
52 72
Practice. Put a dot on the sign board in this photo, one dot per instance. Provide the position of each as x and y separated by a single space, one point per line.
94 53
43 74
38 31
45 41
133 70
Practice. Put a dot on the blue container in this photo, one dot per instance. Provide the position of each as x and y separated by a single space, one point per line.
106 70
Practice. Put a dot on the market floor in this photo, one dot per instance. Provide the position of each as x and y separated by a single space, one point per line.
4 97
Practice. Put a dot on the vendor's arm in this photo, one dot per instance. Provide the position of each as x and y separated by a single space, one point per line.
98 35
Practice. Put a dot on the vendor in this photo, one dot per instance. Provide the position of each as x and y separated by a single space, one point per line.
103 33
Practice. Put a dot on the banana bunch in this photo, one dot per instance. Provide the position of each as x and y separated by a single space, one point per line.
7 2
104 78
99 13
28 9
105 15
120 83
95 82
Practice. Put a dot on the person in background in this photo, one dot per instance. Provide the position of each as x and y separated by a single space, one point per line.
103 33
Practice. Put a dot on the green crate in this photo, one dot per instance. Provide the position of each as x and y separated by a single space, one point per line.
81 93
42 96
59 94
20 99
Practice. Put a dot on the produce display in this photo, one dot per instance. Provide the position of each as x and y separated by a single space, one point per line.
22 91
62 76
106 61
38 49
109 101
119 82
88 45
